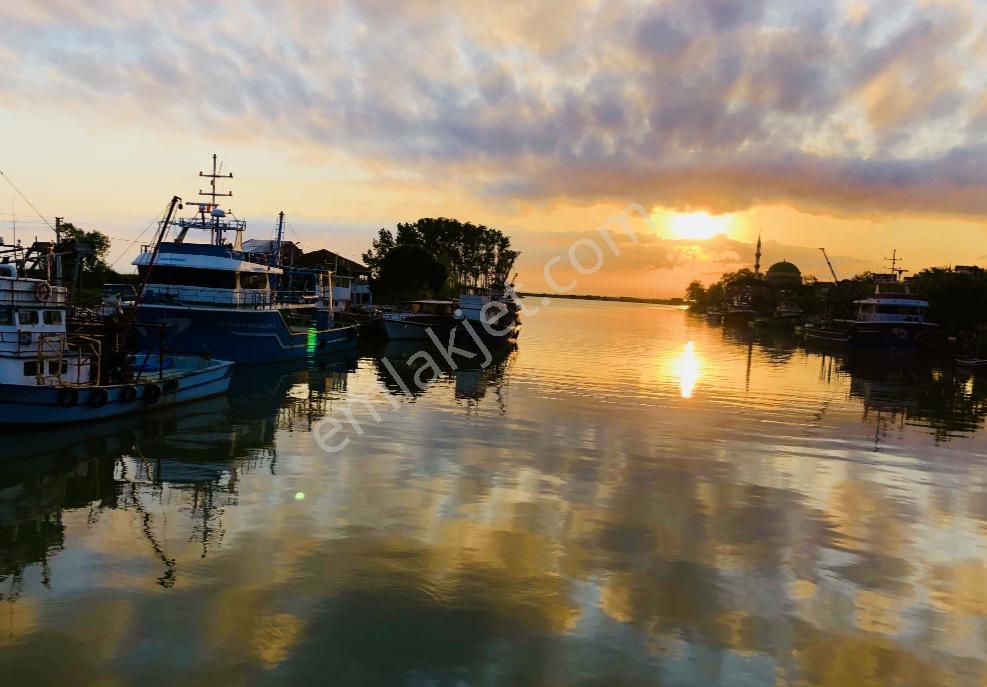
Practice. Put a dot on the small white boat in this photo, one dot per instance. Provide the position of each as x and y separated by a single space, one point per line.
971 362
48 377
413 319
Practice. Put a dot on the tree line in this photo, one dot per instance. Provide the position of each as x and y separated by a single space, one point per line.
434 257
957 299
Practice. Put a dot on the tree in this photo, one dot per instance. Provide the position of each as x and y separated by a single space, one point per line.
99 241
408 272
695 294
471 254
379 248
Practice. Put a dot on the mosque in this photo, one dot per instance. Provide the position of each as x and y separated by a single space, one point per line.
780 275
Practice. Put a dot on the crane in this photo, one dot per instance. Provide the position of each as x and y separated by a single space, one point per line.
836 280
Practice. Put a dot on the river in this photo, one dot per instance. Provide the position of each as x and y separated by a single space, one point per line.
631 497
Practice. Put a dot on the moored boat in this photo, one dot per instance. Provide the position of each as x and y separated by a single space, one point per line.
893 319
491 312
219 299
412 320
49 377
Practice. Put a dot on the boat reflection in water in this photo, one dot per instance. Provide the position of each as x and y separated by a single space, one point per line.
193 455
410 368
594 528
948 402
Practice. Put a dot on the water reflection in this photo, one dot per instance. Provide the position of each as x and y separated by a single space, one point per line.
581 523
687 368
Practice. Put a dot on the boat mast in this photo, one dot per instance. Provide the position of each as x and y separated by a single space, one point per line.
217 232
279 240
894 260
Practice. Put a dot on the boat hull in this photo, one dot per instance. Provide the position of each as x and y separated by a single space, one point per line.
402 330
877 336
738 317
25 405
238 335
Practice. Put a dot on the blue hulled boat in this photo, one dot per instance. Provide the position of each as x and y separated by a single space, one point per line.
219 299
51 377
892 320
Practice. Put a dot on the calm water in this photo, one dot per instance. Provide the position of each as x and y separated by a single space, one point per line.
632 497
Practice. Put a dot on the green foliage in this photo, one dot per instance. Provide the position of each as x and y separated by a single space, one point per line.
842 299
408 272
764 298
99 241
472 254
379 248
957 300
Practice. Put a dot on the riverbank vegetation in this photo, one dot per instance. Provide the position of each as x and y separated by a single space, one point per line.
433 257
957 298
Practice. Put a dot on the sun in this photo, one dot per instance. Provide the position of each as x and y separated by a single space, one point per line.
697 225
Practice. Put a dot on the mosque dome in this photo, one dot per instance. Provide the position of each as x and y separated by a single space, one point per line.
783 273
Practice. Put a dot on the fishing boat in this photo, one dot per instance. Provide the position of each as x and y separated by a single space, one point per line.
412 320
786 317
491 312
739 311
217 298
893 319
51 377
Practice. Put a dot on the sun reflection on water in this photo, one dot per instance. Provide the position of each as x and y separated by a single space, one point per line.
687 367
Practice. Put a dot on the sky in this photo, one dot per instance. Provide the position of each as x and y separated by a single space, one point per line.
856 126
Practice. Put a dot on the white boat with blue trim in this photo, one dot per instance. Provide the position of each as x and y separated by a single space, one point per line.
219 299
49 377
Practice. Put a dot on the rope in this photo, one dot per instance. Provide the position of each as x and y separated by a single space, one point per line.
131 244
24 198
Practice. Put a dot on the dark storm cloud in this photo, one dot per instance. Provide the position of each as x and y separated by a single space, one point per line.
837 107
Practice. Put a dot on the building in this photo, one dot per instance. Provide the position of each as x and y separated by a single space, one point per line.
783 274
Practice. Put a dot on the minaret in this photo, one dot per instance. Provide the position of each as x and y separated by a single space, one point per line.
757 256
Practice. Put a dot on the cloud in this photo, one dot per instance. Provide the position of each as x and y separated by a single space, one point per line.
713 103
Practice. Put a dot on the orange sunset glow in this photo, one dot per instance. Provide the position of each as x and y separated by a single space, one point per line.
849 125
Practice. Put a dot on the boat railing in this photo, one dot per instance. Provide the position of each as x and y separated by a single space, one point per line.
21 342
35 293
252 300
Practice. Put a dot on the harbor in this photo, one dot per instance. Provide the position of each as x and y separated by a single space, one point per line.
482 344
496 507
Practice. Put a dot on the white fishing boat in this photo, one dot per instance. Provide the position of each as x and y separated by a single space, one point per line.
492 312
49 377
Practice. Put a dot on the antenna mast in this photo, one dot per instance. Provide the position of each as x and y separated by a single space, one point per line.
894 260
213 194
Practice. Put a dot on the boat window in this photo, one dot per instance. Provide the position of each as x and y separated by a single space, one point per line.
899 309
53 316
31 368
186 276
253 280
27 316
54 368
6 316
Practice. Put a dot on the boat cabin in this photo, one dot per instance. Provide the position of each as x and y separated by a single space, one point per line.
892 302
34 347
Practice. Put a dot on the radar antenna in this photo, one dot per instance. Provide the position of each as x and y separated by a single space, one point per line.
894 260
